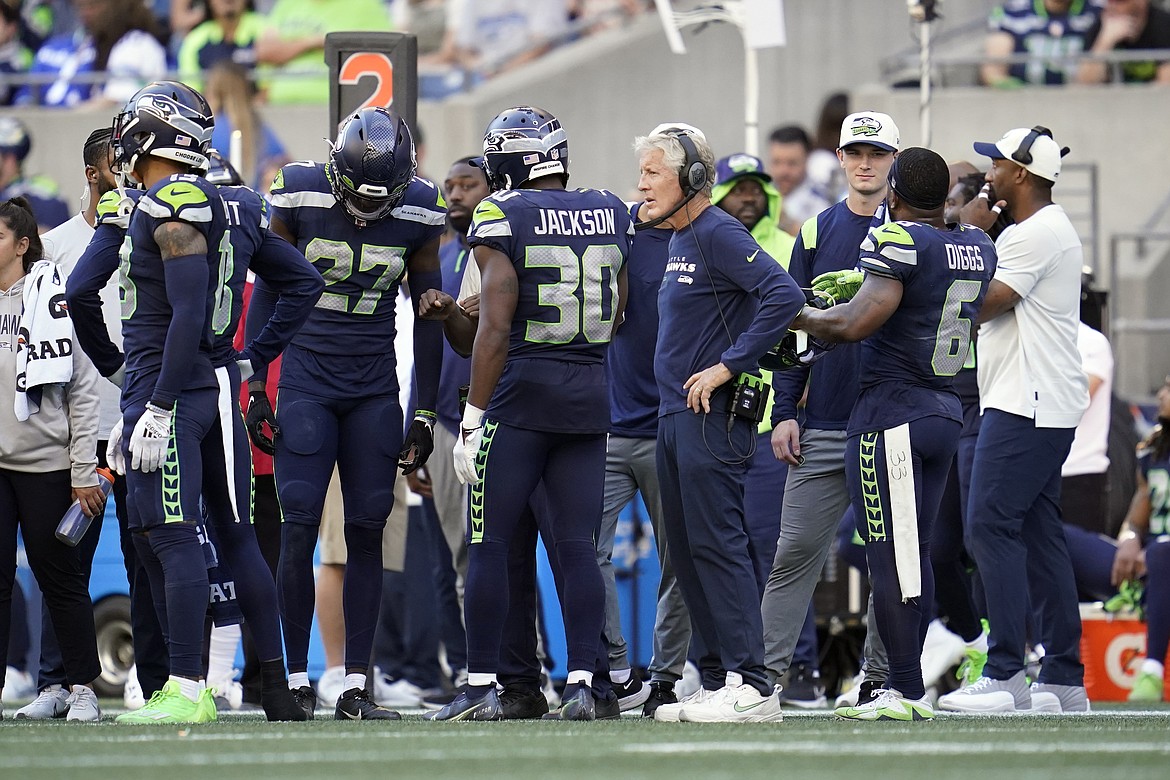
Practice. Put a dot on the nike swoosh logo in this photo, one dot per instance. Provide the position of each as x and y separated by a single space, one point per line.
352 717
752 256
738 708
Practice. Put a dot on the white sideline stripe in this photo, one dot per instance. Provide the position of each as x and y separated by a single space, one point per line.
939 748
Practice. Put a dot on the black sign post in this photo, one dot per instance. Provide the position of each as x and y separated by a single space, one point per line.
371 69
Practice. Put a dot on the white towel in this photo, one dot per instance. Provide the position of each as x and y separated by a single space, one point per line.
44 348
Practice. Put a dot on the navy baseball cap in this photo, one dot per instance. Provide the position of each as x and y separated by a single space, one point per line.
736 166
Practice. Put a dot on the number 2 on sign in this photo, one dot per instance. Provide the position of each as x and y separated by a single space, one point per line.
369 63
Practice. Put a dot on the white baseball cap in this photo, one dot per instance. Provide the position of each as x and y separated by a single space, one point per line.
1040 155
870 127
668 128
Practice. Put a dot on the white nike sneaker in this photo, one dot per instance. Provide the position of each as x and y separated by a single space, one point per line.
331 686
670 712
132 698
83 705
941 650
692 680
735 704
397 693
52 702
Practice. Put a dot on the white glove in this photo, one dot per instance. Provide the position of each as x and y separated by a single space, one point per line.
118 377
152 434
246 369
115 459
466 447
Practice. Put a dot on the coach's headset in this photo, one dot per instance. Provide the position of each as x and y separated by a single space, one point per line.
692 177
1023 153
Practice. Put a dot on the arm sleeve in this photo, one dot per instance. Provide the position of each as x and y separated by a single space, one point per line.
186 277
788 386
83 294
428 342
292 286
82 402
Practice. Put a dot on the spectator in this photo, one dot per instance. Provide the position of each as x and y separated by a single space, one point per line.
232 99
1032 391
229 34
15 56
788 151
1051 32
824 169
1125 25
1144 545
710 294
486 37
117 37
48 455
40 192
1084 485
294 38
592 16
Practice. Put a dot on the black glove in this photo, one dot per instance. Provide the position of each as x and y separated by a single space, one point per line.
258 415
420 440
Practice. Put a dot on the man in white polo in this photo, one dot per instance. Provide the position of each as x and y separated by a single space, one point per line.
1033 392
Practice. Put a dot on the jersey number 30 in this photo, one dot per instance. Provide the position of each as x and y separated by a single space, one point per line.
578 294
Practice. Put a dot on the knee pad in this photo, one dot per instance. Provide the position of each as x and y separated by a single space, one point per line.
302 426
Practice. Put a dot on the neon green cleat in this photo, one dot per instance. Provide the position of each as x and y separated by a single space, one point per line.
169 705
1146 687
889 705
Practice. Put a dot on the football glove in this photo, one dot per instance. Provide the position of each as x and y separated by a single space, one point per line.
840 286
466 448
152 435
258 416
796 349
115 458
419 442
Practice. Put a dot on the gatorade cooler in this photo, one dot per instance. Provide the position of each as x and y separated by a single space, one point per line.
1113 647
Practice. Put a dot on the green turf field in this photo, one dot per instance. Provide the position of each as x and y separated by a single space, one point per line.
1115 743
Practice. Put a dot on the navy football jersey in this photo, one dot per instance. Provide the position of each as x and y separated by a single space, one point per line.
1157 473
908 365
146 312
362 267
567 247
247 214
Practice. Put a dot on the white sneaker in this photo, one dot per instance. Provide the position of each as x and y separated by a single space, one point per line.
397 693
18 686
132 697
229 693
850 690
941 650
83 705
331 686
889 705
52 702
986 695
670 712
692 680
735 704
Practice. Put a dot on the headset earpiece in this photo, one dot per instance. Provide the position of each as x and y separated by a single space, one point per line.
1023 154
693 175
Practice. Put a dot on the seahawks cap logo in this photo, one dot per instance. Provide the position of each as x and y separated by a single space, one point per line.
866 126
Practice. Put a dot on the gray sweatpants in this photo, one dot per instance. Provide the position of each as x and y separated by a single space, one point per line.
630 467
815 498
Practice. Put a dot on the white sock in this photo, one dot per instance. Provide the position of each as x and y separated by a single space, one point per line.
585 678
221 654
1150 666
480 679
733 679
979 643
620 676
354 681
298 680
189 688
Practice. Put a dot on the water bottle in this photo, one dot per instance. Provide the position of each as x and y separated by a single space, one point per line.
76 522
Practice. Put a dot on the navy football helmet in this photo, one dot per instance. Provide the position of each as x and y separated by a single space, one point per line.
522 144
166 119
371 164
220 171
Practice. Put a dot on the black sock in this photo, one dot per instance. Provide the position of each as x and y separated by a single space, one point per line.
475 692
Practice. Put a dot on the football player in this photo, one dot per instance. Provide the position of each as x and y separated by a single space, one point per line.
553 284
924 283
364 220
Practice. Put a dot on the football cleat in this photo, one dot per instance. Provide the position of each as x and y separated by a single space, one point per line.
576 704
486 707
521 704
357 704
661 692
889 705
306 699
1147 687
169 705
